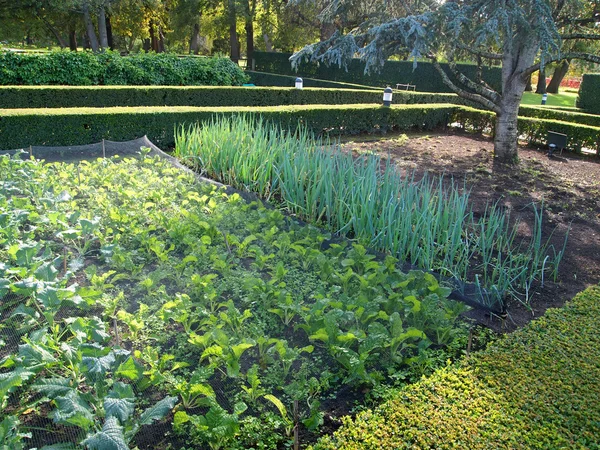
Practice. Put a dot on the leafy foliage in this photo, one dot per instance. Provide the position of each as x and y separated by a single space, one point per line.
589 93
197 301
110 68
504 397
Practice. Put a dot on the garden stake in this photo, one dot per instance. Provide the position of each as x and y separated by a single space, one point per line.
78 174
470 342
296 441
65 259
116 331
30 151
103 150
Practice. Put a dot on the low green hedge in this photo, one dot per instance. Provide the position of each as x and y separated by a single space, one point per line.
534 389
273 79
533 129
73 126
424 76
574 116
589 93
110 68
108 96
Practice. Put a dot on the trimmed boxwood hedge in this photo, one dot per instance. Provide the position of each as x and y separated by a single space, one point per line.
425 77
110 68
534 389
589 93
107 96
72 126
535 130
574 116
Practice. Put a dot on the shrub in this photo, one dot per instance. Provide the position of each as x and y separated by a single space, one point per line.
73 126
536 388
589 93
107 96
110 68
425 77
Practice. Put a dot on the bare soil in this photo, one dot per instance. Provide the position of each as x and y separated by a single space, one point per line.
568 184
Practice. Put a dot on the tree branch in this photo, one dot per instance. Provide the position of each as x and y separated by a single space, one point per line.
595 37
488 55
478 88
461 92
571 55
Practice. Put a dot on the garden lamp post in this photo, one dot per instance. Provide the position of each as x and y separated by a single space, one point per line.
387 96
298 83
544 98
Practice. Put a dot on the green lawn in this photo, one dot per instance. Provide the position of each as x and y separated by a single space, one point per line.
562 99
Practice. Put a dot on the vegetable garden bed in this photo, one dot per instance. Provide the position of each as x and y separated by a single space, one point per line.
131 294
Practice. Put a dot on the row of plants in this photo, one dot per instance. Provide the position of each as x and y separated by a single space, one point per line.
368 199
534 389
110 68
131 295
109 96
20 128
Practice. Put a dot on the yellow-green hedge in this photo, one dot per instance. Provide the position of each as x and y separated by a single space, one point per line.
538 388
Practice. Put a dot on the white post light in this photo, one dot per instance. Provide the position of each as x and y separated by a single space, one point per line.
387 96
544 98
298 83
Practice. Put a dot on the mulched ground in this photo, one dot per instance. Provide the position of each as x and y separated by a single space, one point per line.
569 185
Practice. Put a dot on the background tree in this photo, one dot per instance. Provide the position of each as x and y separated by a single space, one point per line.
522 35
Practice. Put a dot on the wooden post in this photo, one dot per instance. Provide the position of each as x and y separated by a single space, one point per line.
78 174
30 151
103 150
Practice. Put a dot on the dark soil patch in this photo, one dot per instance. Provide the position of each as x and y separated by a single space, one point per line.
569 185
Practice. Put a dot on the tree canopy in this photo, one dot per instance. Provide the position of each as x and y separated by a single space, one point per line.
520 35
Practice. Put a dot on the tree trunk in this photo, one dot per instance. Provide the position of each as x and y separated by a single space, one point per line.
146 45
153 39
72 40
541 84
195 40
268 45
528 87
326 31
233 38
557 77
109 33
249 26
89 27
102 34
161 41
514 63
249 39
55 32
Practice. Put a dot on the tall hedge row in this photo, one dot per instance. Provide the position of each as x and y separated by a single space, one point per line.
108 96
534 389
73 126
272 79
589 93
425 77
535 130
110 68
